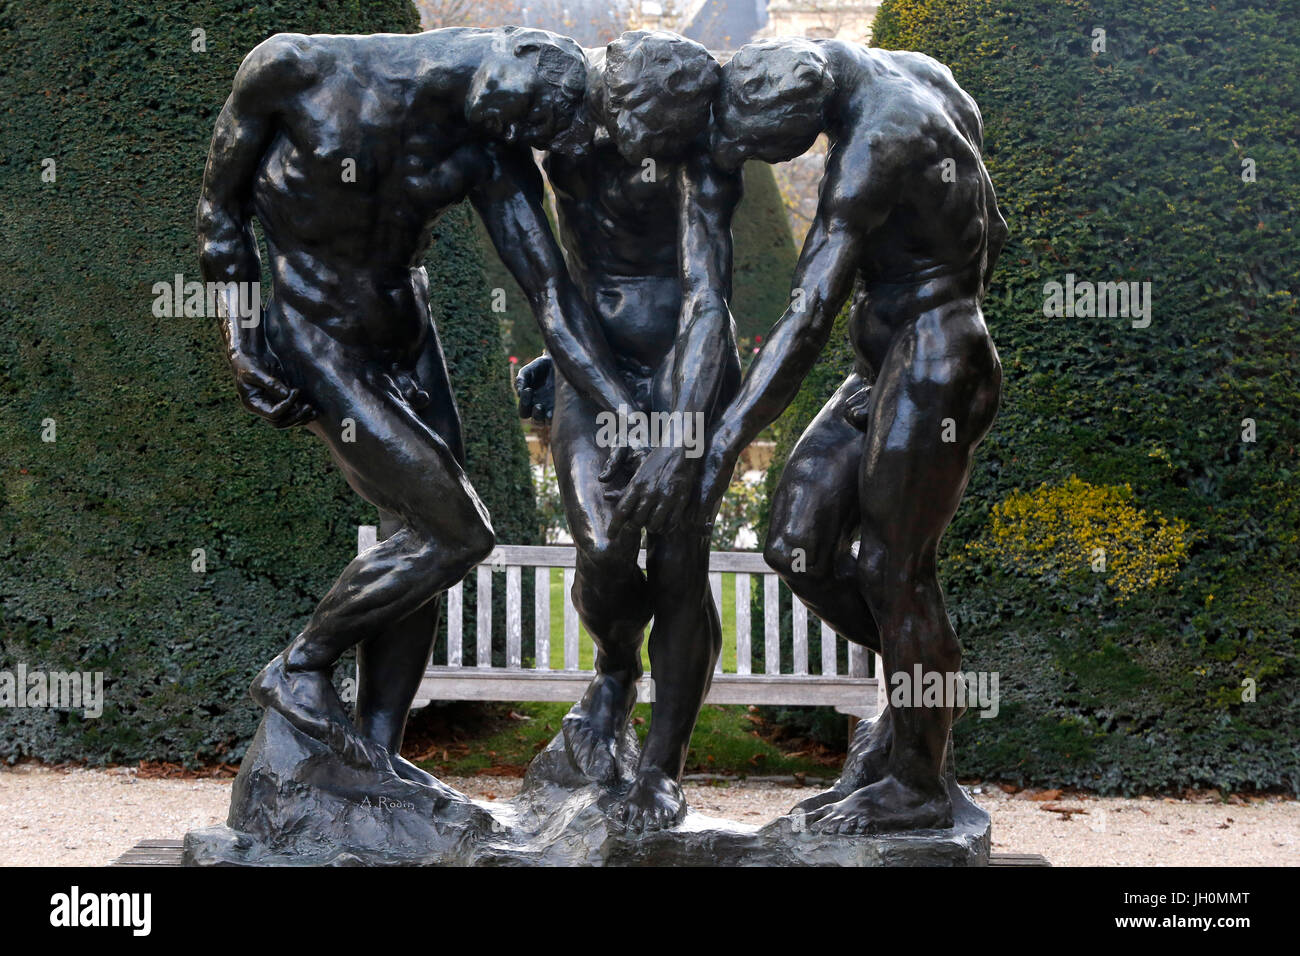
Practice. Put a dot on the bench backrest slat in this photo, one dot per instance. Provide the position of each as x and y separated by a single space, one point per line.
744 657
542 617
514 619
742 566
829 663
455 624
857 661
715 586
483 633
367 537
771 624
799 619
570 624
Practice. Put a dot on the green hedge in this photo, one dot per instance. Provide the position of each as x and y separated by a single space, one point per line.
1127 165
764 255
154 456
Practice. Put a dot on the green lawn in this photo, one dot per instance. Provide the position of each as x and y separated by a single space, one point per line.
587 650
724 742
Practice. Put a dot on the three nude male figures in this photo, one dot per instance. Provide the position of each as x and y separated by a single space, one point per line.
637 318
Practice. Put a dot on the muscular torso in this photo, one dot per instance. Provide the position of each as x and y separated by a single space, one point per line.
362 162
914 129
620 230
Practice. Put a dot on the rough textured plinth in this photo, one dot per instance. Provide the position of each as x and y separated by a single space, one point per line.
294 802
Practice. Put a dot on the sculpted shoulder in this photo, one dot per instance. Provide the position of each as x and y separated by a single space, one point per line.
866 171
282 64
937 78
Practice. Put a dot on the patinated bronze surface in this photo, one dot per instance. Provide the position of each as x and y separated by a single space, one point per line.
346 149
906 214
645 217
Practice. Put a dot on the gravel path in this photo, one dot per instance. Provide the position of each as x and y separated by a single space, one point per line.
89 817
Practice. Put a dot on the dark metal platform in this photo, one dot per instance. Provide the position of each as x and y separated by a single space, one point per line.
168 853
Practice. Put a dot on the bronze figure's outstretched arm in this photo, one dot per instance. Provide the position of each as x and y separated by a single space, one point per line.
510 204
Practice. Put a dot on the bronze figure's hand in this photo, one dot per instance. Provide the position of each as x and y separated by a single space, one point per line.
264 393
535 386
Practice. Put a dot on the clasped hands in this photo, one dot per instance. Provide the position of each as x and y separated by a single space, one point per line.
657 488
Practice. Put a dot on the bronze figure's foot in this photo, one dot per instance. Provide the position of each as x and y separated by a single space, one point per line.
883 807
868 753
816 802
593 727
308 700
865 764
655 802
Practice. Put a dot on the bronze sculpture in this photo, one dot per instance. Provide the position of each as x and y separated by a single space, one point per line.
645 216
645 142
345 346
906 211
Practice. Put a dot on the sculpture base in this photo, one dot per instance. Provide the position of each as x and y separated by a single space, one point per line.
295 803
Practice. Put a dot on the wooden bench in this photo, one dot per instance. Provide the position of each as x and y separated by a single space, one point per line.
855 692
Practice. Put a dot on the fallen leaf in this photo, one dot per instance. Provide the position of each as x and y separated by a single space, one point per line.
1040 795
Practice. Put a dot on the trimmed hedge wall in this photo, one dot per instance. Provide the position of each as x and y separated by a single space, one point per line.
153 455
765 254
1128 163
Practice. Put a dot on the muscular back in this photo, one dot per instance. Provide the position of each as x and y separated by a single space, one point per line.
907 164
359 154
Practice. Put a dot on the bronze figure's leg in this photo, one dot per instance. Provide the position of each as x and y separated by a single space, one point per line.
389 454
940 378
684 646
610 591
